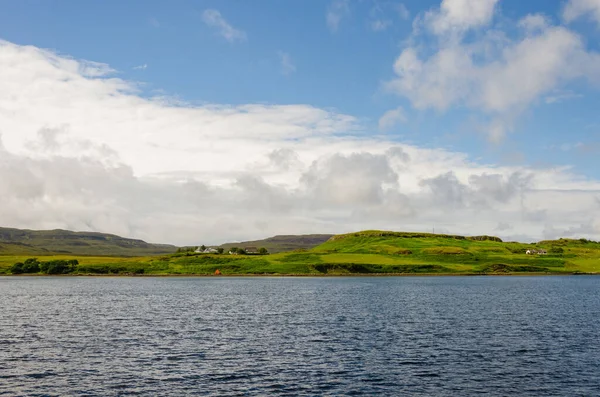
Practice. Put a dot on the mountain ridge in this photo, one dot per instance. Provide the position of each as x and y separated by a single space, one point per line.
60 241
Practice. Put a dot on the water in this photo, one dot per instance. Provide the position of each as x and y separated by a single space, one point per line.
443 336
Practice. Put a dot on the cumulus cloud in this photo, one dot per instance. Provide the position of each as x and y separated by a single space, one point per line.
214 19
457 16
577 8
84 150
493 73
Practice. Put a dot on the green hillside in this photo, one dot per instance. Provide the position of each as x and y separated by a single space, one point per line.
40 242
368 252
283 243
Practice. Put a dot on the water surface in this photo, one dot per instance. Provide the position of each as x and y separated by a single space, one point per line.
422 336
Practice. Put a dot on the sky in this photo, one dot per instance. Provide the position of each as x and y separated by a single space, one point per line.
201 122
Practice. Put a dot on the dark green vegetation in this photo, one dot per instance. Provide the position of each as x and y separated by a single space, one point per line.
285 243
368 252
56 266
48 242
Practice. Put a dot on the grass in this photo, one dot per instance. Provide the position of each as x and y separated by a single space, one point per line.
370 252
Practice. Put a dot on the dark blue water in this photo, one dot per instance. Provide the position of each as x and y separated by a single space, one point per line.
442 336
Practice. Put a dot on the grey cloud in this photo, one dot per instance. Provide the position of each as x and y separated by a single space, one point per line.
503 226
284 159
447 190
396 152
357 179
496 187
340 192
535 215
48 139
481 191
582 230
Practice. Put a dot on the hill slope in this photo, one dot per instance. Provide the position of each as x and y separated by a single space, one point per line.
368 252
45 242
283 243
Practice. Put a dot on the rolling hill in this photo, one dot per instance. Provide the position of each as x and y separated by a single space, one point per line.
46 242
362 253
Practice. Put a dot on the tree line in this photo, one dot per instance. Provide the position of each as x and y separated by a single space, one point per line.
57 266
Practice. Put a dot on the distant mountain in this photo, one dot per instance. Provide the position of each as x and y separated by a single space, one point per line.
45 242
284 243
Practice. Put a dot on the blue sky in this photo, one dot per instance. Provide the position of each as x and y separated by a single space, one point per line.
488 86
343 70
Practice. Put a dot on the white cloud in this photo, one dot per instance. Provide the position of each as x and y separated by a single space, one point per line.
214 19
391 118
457 16
83 150
141 67
493 74
534 22
577 8
338 10
287 65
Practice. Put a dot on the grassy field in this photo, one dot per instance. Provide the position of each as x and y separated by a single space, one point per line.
370 252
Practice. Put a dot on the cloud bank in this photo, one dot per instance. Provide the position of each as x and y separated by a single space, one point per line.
84 150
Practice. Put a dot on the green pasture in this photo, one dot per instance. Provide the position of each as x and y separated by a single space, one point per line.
369 252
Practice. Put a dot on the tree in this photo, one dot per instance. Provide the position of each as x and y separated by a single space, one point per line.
31 266
203 247
220 250
263 251
17 268
233 250
59 266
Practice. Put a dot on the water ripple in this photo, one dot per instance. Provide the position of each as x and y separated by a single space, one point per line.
454 336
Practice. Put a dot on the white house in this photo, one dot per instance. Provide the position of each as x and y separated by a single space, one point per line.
539 252
206 251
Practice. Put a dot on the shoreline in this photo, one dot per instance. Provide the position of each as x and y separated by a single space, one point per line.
524 274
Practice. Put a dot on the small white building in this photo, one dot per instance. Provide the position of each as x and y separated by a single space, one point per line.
207 251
